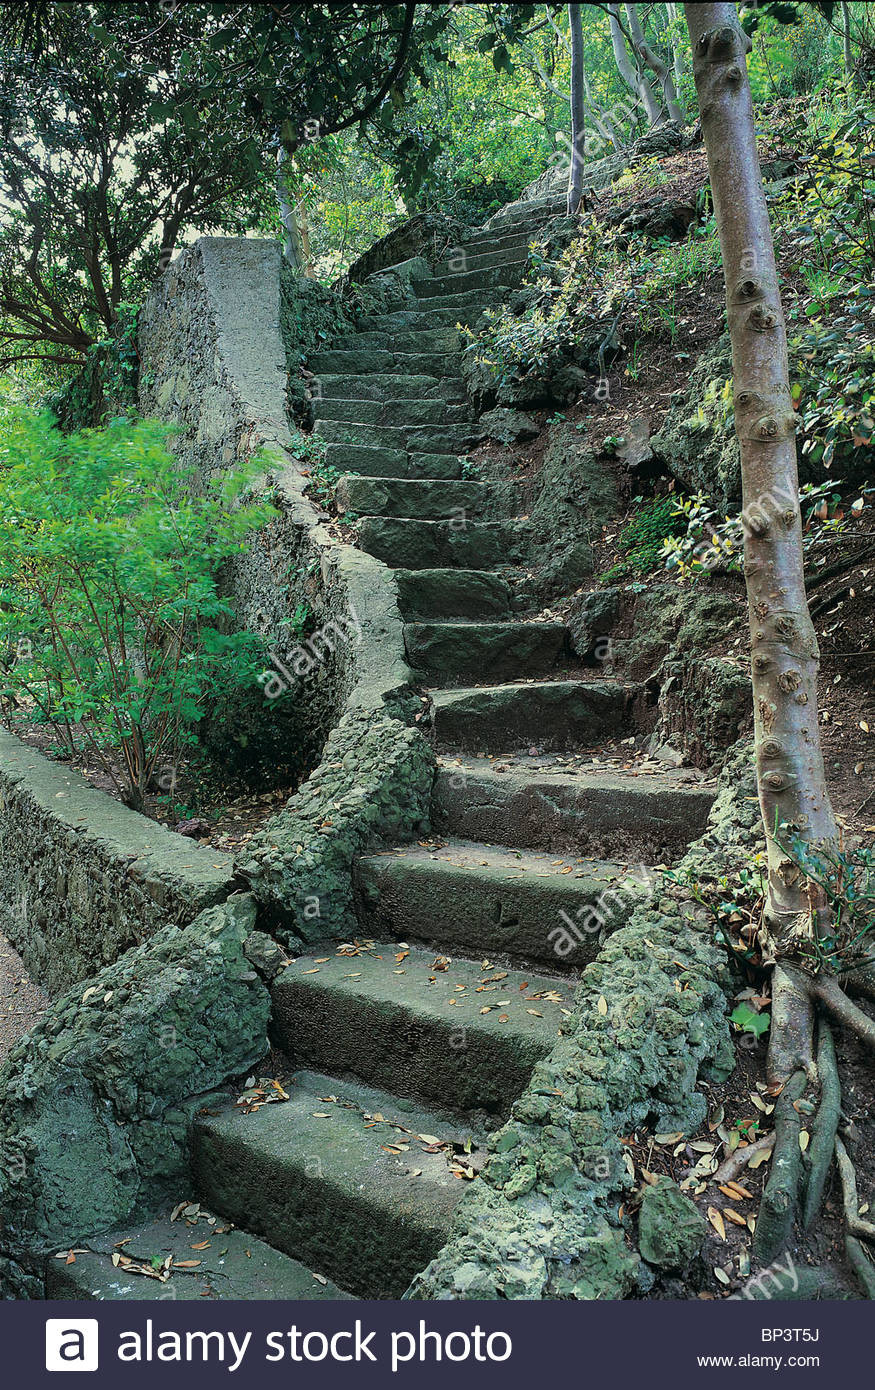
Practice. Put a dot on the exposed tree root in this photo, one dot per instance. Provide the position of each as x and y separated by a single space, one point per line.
791 1040
856 1226
778 1205
829 993
740 1158
853 1220
825 1125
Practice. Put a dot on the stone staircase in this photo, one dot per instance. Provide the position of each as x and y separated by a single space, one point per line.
411 1045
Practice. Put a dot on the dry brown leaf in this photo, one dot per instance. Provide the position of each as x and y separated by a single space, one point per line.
716 1219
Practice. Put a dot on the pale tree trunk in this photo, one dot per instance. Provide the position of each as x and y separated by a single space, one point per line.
632 79
651 59
578 127
790 772
645 58
292 250
677 57
846 40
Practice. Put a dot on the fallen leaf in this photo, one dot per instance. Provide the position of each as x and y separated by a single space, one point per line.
716 1219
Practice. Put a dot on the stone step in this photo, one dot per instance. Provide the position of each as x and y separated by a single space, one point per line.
386 1016
429 498
369 362
446 439
605 813
445 651
372 462
486 241
497 902
551 714
534 211
467 306
312 1174
396 413
466 259
386 386
393 339
411 544
235 1265
469 282
446 593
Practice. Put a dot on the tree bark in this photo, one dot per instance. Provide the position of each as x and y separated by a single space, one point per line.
578 122
292 250
785 657
632 79
636 34
846 40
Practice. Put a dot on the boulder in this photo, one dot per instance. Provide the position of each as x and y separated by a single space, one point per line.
671 1229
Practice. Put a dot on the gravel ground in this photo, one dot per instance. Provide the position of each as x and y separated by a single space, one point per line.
21 1001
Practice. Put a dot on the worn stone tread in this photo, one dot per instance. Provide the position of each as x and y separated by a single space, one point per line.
372 462
430 499
416 544
236 1265
312 1174
501 902
603 812
446 650
392 1023
553 714
449 593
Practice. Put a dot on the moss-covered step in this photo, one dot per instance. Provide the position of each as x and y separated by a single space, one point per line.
373 462
234 1265
606 813
470 281
497 902
413 1023
474 258
430 439
445 651
552 714
412 544
433 363
352 361
426 498
329 1184
485 240
447 593
390 386
398 413
465 304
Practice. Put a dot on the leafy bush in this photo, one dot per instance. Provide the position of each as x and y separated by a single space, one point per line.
709 541
641 540
846 878
113 626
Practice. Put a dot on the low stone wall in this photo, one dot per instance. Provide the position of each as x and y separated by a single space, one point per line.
84 878
95 1103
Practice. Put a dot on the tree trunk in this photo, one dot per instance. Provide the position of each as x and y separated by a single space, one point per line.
632 79
636 34
846 40
677 57
785 657
292 240
647 57
578 126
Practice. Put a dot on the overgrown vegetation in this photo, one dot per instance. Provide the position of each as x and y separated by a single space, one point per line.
113 627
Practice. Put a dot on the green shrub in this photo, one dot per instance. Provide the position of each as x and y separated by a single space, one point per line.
113 626
642 539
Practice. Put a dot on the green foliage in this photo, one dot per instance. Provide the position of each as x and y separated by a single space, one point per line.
747 1020
107 384
710 542
846 878
113 625
642 539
